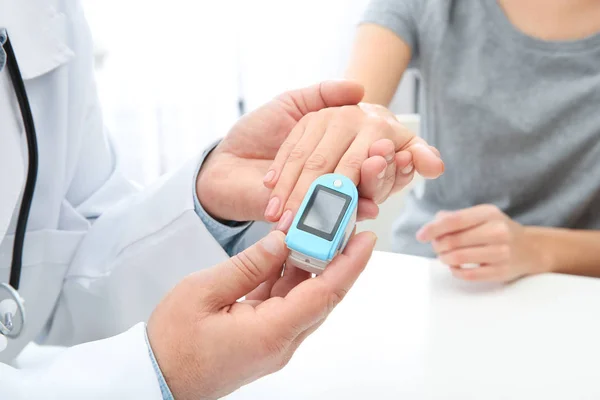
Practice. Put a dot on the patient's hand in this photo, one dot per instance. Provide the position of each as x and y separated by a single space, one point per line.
486 236
230 183
364 142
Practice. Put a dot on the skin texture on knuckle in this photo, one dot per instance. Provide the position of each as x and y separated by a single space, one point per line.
353 162
287 146
316 162
500 232
297 154
247 267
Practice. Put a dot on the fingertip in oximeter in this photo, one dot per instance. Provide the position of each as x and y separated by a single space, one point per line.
323 224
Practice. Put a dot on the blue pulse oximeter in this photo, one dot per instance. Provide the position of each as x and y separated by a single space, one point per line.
323 224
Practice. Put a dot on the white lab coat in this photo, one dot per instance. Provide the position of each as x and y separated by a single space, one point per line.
99 255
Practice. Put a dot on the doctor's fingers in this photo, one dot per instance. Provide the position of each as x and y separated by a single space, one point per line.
326 94
312 300
281 285
263 291
292 277
233 279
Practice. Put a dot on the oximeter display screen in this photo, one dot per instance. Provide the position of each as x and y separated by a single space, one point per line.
324 212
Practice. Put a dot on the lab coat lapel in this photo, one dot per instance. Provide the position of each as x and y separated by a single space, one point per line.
12 169
37 32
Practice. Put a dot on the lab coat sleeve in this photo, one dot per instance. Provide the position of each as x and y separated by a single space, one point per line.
132 255
137 245
116 368
234 238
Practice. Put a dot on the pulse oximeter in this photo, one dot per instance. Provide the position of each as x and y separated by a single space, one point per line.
323 224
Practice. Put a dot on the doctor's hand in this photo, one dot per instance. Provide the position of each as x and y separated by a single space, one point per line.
208 344
364 142
230 183
485 236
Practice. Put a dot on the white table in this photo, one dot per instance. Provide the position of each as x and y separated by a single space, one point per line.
409 330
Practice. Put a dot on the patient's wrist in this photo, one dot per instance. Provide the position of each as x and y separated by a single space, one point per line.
540 245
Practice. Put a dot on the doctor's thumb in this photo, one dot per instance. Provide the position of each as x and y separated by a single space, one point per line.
244 272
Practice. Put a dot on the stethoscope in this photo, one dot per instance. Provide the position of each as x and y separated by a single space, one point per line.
12 308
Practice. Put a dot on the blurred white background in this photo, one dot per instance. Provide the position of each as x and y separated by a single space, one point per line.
173 74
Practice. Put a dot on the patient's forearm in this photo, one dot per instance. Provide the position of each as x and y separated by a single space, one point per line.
566 251
379 59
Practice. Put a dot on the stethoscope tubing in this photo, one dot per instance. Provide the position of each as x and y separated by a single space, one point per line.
29 190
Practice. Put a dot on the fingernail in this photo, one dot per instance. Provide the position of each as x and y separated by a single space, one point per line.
374 238
272 208
381 174
269 176
408 169
390 157
272 243
420 235
285 222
